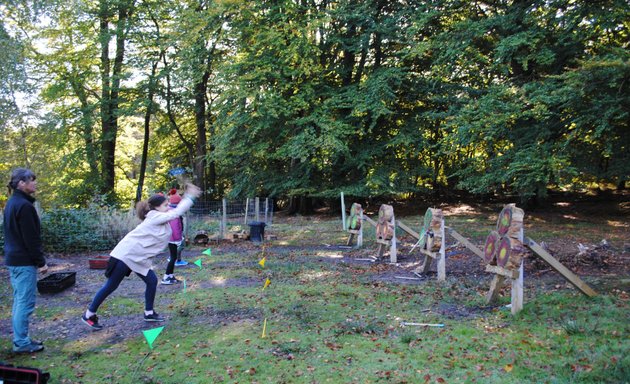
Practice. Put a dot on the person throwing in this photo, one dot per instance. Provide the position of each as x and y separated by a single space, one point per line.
135 252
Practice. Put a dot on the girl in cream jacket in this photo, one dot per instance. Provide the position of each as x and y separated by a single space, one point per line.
135 253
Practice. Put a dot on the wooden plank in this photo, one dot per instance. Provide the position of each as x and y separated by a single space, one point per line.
558 266
432 255
465 242
410 231
367 218
502 271
495 287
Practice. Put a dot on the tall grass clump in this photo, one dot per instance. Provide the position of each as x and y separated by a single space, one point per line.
94 228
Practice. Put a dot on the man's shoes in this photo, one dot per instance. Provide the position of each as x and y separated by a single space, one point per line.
92 322
30 348
154 318
180 263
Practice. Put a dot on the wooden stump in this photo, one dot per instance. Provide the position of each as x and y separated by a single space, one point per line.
490 248
384 227
385 212
510 253
354 220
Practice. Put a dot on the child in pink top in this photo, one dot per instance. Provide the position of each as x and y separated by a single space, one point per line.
176 240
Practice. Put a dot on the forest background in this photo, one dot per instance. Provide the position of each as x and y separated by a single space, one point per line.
300 100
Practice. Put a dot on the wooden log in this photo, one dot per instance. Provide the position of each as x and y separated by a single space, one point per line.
558 266
385 213
384 231
437 218
504 220
510 221
490 248
354 220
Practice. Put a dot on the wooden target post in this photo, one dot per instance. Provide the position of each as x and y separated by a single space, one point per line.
504 253
354 224
386 232
432 243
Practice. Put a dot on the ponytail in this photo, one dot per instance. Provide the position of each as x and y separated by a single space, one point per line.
143 207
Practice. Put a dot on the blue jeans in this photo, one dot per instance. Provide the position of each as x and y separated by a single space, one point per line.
118 274
24 283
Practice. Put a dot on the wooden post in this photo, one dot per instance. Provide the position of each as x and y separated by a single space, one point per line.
257 208
266 208
517 285
343 213
246 208
224 219
360 238
517 291
441 261
393 256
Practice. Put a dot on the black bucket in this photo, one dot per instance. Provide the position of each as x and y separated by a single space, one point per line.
256 231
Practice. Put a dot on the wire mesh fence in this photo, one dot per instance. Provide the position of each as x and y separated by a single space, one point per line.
94 228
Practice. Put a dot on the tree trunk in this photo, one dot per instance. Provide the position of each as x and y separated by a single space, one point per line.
199 166
147 126
111 90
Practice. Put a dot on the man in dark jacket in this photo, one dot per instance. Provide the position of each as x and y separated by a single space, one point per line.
23 255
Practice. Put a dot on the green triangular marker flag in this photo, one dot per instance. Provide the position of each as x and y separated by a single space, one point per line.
198 263
151 335
208 252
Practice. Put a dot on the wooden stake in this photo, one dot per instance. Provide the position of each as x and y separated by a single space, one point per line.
441 261
343 213
517 291
393 255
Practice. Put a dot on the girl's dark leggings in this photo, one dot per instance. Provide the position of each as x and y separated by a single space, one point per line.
118 274
171 262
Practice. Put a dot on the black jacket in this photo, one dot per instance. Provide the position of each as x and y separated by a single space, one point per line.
22 232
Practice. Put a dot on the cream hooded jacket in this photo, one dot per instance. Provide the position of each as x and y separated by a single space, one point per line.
149 238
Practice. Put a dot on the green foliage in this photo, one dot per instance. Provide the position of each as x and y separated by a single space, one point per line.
299 99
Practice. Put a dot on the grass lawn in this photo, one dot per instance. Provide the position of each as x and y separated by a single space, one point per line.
330 321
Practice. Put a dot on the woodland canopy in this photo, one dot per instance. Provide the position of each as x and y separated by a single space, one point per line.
308 98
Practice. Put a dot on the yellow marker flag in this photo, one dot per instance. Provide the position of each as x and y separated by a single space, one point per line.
262 262
264 329
267 282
